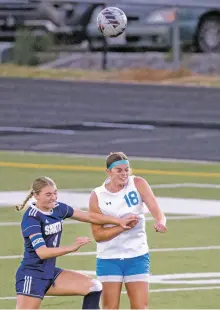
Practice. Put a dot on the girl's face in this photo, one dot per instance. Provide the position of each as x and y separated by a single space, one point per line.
47 197
119 174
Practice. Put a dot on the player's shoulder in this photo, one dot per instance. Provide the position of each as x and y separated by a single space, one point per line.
97 188
63 210
31 212
31 217
101 188
139 181
60 206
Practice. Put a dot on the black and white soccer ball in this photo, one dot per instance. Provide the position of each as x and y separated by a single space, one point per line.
112 22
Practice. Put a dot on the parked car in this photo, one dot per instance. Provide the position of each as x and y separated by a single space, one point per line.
150 27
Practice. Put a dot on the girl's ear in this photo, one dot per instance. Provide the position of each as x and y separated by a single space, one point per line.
108 171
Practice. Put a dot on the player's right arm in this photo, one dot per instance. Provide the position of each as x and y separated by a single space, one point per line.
44 252
101 233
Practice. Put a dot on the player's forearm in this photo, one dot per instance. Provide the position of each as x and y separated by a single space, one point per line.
45 252
107 233
158 215
101 219
95 218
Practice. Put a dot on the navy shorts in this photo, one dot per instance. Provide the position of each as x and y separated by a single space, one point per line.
35 287
124 270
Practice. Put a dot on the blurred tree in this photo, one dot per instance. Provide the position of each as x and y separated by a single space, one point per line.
28 45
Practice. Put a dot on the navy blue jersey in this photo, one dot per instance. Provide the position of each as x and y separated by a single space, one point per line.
49 224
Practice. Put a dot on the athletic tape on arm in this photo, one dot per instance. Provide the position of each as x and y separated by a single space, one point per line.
37 241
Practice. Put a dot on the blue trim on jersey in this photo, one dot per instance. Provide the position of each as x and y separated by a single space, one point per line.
119 162
37 241
123 267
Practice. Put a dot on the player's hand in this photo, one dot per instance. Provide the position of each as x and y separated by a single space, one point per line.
159 227
133 220
129 222
132 223
80 241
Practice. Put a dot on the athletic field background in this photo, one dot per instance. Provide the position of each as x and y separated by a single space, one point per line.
184 261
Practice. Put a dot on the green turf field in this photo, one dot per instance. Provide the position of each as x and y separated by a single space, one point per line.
201 292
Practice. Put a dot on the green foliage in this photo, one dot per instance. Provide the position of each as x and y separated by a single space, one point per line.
43 43
28 45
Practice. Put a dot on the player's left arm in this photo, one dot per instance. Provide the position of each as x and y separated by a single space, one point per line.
150 200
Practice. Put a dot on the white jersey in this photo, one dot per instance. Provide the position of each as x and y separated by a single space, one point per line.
130 243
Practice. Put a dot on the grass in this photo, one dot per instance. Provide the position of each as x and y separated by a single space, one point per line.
187 233
195 233
19 178
143 75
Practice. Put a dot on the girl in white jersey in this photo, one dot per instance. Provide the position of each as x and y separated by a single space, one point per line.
122 256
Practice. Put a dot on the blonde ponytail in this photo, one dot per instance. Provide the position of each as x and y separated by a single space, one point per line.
20 207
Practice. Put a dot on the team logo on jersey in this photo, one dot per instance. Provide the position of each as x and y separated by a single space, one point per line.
53 228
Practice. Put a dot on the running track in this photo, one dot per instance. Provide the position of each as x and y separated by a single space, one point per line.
186 121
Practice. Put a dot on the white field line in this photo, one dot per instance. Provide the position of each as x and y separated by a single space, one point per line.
181 278
188 217
199 288
176 278
118 125
169 185
186 185
182 289
167 204
166 185
203 248
38 130
170 218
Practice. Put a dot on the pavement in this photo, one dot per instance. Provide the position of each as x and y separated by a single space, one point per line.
97 118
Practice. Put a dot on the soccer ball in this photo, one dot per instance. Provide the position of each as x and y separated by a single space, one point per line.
112 22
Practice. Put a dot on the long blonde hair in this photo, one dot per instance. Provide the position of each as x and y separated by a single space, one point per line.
36 187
